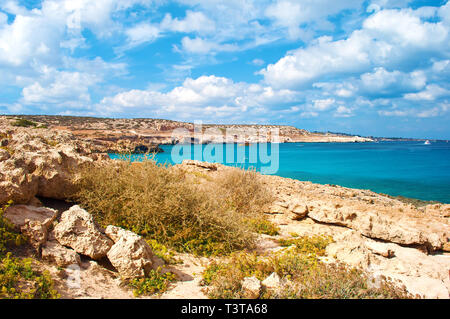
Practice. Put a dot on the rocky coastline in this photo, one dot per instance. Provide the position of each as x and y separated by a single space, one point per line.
381 235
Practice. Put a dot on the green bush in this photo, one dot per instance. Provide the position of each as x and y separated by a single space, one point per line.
308 245
154 282
261 225
24 123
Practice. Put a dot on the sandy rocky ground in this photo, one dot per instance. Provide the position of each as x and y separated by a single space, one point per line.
382 235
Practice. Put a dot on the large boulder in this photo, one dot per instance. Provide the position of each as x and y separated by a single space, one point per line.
130 254
77 230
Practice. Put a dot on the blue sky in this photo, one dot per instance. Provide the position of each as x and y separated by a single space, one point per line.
372 67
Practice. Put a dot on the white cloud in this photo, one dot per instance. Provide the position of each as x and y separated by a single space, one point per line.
141 33
343 90
382 82
3 18
417 112
292 14
60 87
431 93
217 96
322 105
41 33
258 62
193 22
343 111
201 46
388 38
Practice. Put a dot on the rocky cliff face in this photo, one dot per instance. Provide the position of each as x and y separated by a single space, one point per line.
39 162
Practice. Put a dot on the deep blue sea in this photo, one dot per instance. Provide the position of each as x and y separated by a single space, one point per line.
409 169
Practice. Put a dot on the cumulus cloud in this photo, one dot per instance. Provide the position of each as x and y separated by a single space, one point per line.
351 58
431 93
62 87
388 38
293 15
382 83
207 95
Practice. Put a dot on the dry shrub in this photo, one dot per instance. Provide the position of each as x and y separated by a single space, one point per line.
160 203
243 191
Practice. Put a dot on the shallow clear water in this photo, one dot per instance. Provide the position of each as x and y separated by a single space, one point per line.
409 169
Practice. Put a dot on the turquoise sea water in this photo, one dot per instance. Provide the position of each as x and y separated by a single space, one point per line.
409 169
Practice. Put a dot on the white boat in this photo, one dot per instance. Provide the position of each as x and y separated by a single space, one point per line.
427 142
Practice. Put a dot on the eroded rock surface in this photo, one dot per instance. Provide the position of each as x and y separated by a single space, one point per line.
55 253
76 229
39 162
130 254
18 214
33 222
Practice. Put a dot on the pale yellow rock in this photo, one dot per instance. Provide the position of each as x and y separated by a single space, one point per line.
77 230
381 249
130 254
18 214
251 287
205 165
272 282
36 232
41 163
55 253
349 248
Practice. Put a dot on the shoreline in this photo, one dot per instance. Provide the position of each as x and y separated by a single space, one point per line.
403 241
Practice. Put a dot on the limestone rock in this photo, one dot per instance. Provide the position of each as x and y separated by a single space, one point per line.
441 210
77 230
36 232
42 163
35 202
130 254
298 210
272 282
349 248
251 287
381 249
276 208
18 214
62 256
399 228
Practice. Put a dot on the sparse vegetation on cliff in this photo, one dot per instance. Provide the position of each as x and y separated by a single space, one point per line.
302 275
161 203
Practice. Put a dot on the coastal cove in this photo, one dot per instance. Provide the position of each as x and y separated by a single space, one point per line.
407 168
